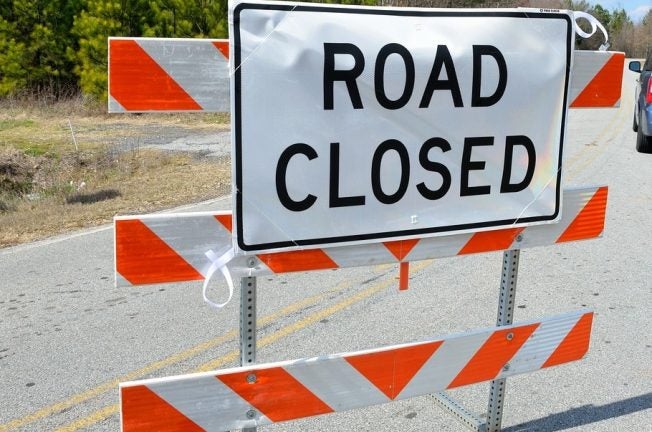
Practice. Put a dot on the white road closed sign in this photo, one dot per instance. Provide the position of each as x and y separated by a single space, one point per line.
353 124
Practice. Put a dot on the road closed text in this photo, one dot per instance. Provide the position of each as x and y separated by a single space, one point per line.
304 154
436 82
443 122
442 62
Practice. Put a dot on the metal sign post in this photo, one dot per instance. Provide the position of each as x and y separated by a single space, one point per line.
506 299
235 402
505 317
247 321
248 332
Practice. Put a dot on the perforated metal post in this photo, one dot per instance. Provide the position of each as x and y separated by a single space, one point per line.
248 330
247 321
456 409
505 317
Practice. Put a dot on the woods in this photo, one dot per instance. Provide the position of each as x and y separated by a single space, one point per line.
58 48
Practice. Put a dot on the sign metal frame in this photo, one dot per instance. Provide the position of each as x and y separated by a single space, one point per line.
382 233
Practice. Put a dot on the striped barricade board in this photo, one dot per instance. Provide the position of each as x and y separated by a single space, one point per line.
251 396
172 247
168 75
194 75
176 75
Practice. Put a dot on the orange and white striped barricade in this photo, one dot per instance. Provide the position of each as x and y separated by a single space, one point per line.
252 396
165 248
597 79
177 75
172 247
168 75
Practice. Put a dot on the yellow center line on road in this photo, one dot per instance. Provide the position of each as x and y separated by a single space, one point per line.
152 367
231 356
92 419
309 320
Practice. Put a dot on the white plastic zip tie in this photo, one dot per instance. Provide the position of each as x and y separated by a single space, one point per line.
595 25
219 263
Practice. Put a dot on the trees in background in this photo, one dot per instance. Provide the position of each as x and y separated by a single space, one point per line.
59 45
54 48
98 20
634 39
34 37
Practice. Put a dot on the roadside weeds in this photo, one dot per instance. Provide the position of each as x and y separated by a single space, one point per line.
59 173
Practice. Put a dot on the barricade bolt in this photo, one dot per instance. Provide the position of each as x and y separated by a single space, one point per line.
251 378
251 414
251 262
510 336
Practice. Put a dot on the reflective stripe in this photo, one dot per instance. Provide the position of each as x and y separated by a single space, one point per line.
540 346
597 79
184 238
197 400
590 220
269 393
495 353
141 259
138 82
199 68
276 394
445 364
186 61
486 241
333 382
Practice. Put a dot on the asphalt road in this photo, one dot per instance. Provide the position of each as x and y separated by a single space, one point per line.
68 336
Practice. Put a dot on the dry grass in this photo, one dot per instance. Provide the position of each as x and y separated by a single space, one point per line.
53 180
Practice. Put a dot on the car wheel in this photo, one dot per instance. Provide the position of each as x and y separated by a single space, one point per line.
643 143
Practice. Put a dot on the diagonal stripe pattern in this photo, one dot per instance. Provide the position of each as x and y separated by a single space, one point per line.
170 248
138 81
597 79
270 393
168 75
177 75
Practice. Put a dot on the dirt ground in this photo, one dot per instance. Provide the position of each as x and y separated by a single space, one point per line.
64 172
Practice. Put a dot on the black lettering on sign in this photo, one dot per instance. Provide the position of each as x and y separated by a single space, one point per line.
478 52
348 76
335 200
442 59
379 76
469 165
511 141
434 167
281 173
384 147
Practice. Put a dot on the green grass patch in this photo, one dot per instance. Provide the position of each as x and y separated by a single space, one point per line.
36 150
12 124
50 148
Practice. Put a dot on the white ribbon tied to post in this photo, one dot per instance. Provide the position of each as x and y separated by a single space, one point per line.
595 25
219 263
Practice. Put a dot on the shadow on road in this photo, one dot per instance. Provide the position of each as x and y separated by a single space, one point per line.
584 415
